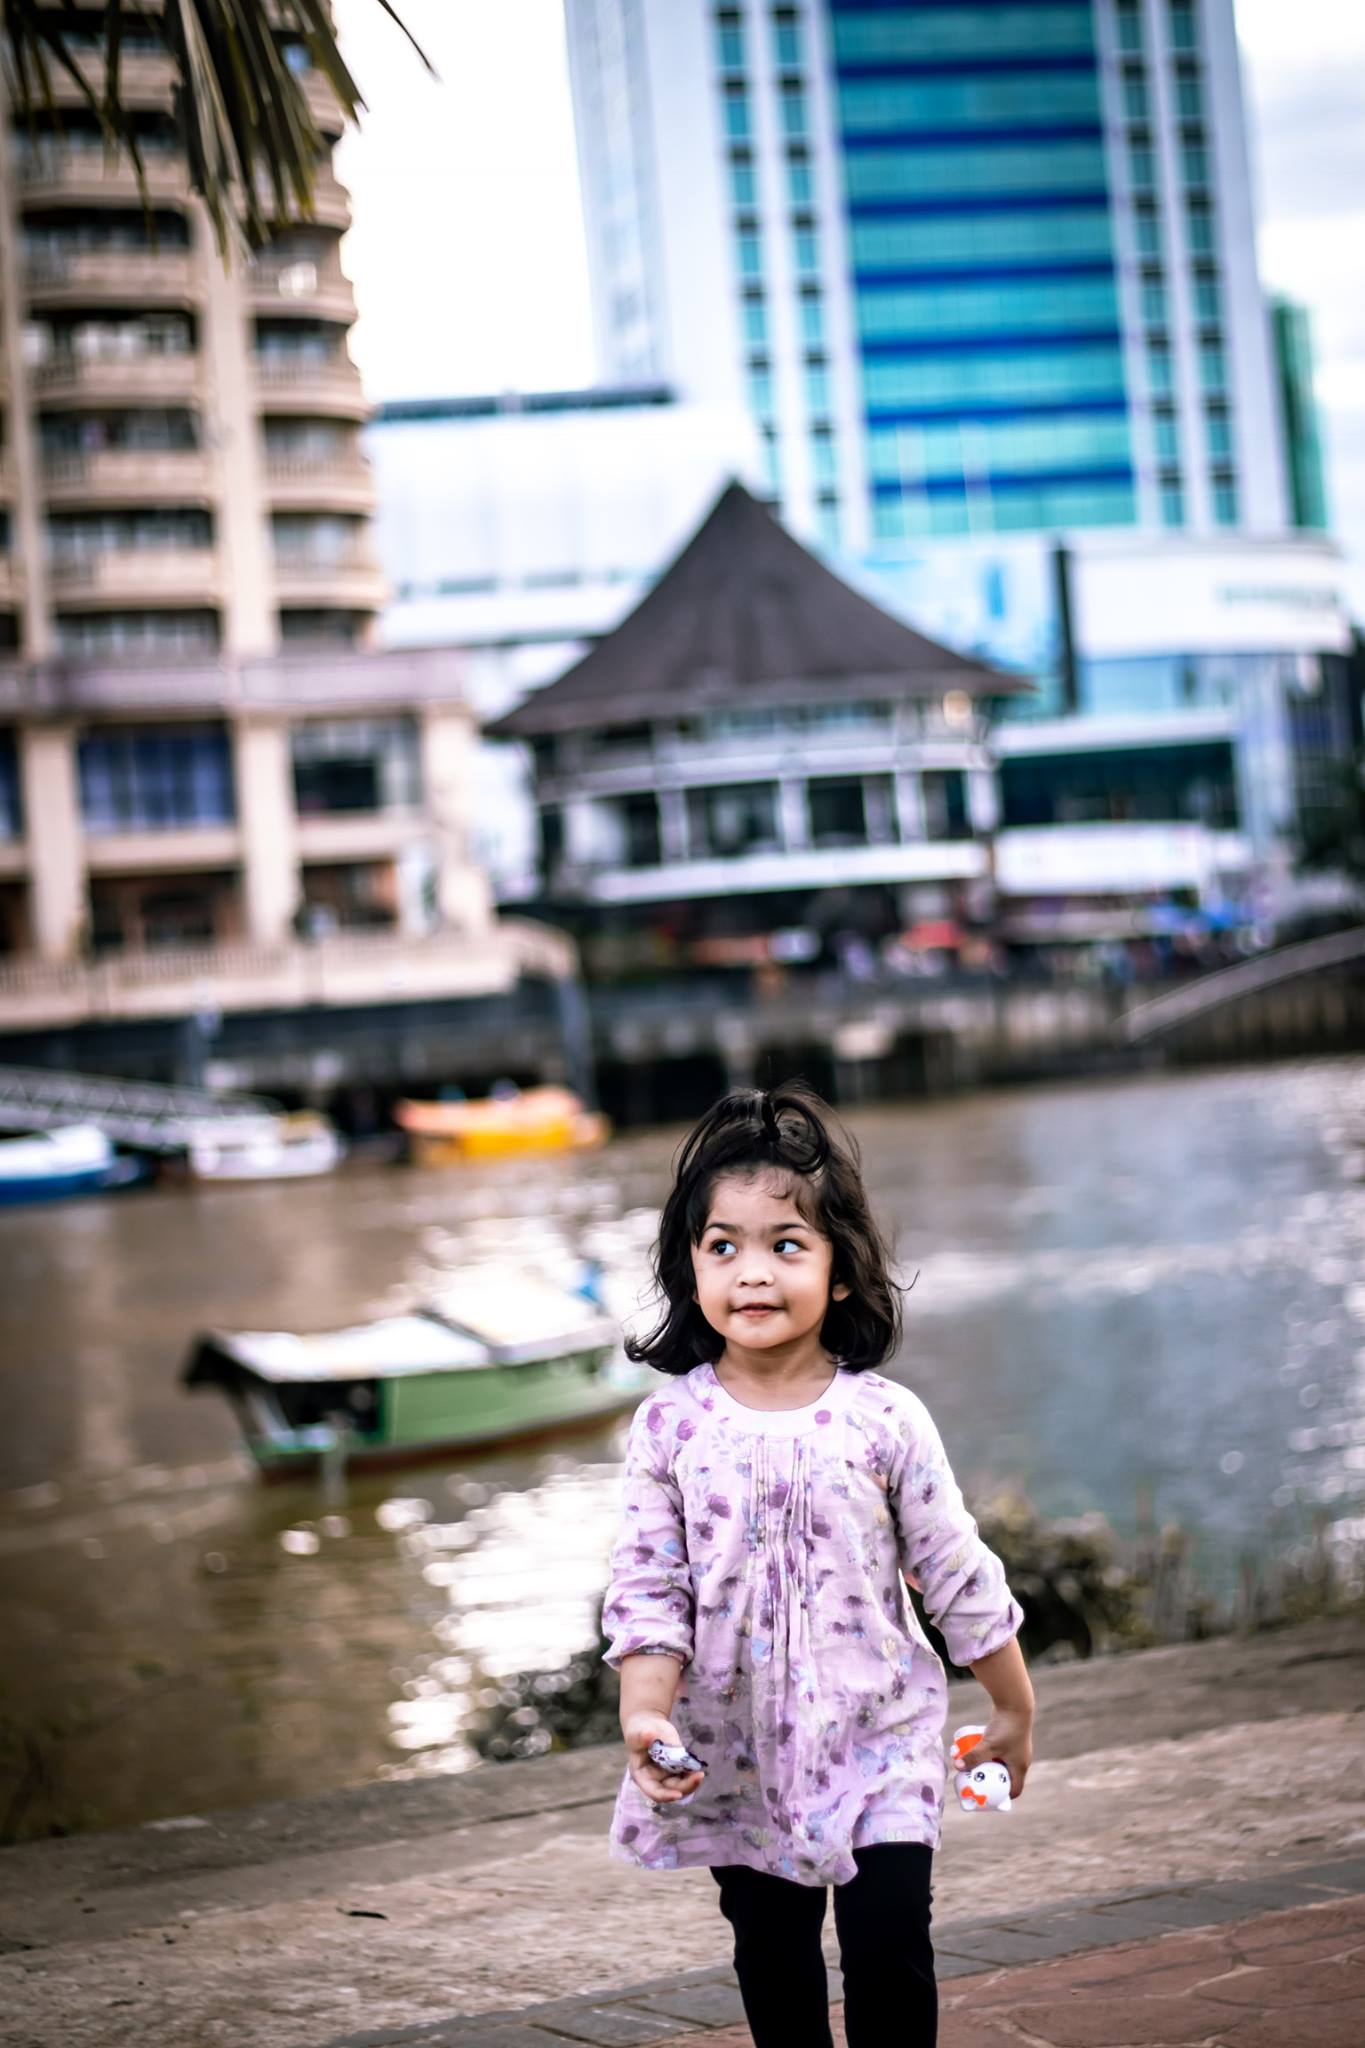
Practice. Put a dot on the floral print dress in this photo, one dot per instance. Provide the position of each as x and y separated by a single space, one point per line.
764 1550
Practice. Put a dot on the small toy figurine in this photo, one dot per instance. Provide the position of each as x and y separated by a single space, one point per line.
983 1787
675 1762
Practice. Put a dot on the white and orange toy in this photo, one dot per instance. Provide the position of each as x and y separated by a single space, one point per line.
983 1787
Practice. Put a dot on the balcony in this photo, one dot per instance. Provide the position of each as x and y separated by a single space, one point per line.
146 78
67 171
135 578
91 380
147 277
350 969
349 582
339 680
303 385
324 483
11 581
323 104
331 204
319 291
108 476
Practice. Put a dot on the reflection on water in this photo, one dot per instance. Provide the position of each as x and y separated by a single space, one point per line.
1156 1281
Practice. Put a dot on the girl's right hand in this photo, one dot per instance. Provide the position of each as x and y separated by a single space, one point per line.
658 1787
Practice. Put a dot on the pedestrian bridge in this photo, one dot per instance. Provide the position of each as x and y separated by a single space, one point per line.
1153 1019
139 1113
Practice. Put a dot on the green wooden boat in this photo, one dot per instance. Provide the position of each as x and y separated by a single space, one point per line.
497 1358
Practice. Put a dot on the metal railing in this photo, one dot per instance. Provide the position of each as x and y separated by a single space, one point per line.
1231 984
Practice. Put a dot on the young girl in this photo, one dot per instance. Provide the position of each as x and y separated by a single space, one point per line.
776 1488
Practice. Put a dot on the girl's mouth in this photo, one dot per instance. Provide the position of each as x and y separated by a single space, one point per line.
758 1308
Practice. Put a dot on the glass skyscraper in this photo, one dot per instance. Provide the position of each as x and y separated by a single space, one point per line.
975 266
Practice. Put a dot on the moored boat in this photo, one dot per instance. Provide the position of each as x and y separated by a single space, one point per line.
498 1357
263 1147
77 1159
498 1126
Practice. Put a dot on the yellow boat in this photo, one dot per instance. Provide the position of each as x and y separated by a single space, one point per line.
498 1127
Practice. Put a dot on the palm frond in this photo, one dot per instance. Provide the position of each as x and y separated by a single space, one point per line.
251 144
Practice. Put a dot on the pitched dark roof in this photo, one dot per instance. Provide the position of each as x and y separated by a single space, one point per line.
745 616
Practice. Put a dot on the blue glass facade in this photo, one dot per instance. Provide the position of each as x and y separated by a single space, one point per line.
984 282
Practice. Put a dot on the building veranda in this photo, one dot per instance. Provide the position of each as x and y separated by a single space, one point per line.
761 768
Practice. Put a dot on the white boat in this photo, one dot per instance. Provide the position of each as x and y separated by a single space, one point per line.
264 1147
496 1357
78 1159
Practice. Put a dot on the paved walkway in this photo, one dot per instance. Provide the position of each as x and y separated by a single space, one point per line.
1257 1963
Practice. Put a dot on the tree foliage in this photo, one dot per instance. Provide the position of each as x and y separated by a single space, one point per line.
251 144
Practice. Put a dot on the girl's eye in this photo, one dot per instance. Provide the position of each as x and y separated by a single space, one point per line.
720 1244
791 1241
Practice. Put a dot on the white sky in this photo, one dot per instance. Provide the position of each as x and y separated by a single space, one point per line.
467 251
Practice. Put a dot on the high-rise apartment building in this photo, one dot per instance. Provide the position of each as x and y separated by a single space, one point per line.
976 266
202 755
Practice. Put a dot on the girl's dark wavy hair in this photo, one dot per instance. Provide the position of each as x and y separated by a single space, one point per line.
790 1132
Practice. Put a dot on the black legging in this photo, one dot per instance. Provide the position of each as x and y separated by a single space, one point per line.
882 1920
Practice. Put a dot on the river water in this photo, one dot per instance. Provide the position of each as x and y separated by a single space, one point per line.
1153 1281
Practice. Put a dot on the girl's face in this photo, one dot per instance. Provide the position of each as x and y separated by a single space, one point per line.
762 1271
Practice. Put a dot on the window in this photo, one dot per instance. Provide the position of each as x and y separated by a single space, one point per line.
1135 103
812 320
1207 306
921 34
756 322
823 459
800 183
743 184
137 633
750 253
639 827
945 804
1194 163
827 519
1154 302
994 376
1218 432
1172 502
817 388
974 168
990 100
356 764
1141 166
1183 30
740 819
1146 227
1159 366
1199 226
729 42
1212 366
807 252
963 240
987 306
786 39
760 387
1225 500
1189 94
1129 18
838 811
1165 434
736 112
793 108
155 778
772 462
927 449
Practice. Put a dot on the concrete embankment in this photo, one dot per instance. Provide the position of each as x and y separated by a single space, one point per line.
405 1906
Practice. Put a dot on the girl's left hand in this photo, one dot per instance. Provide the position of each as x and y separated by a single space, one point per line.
1008 1737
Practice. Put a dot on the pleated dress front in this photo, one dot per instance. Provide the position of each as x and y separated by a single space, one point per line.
765 1551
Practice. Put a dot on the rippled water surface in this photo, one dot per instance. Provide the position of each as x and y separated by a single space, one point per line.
1156 1280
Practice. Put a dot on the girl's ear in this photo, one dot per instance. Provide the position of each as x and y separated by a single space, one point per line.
839 1291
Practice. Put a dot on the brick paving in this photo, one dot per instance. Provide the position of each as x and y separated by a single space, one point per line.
1270 1962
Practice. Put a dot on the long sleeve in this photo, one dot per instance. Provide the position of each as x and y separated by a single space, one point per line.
649 1606
961 1580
